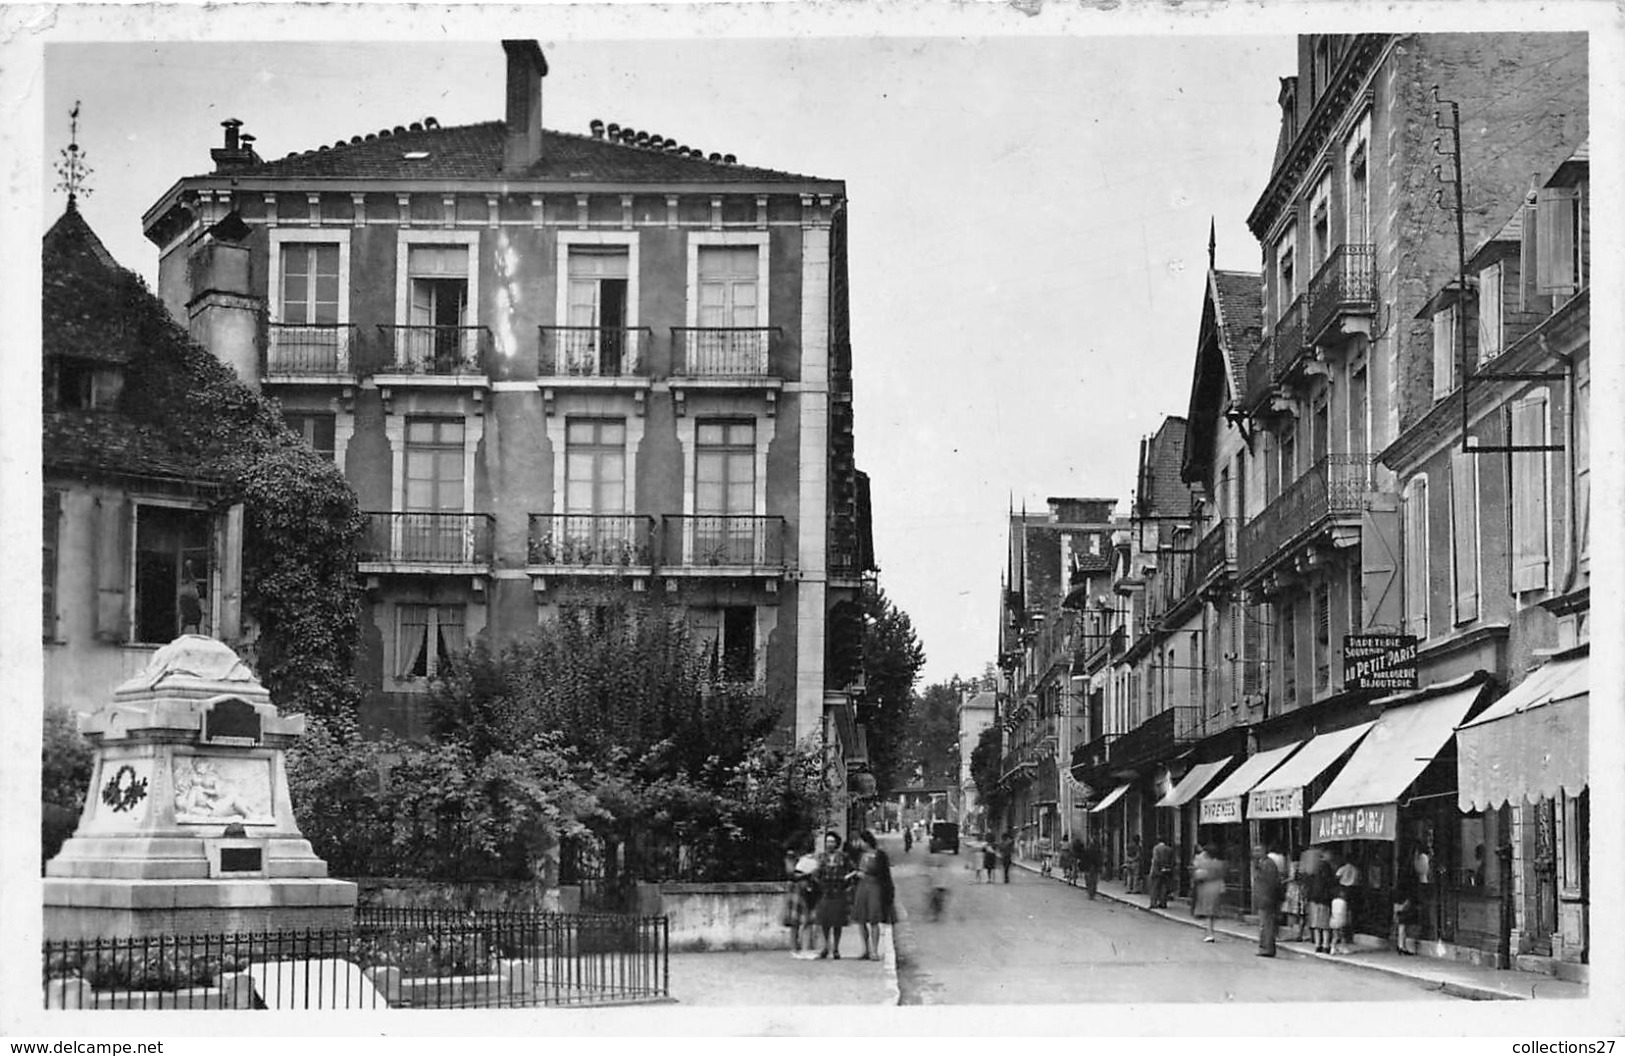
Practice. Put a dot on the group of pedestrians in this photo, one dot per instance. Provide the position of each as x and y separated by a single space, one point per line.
846 883
1316 894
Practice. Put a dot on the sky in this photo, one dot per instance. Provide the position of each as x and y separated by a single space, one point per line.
1029 225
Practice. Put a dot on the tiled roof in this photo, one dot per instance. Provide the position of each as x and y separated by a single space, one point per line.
1164 492
475 152
1088 564
97 442
1238 298
78 274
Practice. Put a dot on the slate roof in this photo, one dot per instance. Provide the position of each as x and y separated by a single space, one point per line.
1163 491
78 272
474 152
1238 298
97 443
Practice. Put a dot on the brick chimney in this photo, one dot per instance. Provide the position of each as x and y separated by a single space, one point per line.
237 152
526 68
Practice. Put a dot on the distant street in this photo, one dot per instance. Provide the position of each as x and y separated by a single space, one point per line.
1037 941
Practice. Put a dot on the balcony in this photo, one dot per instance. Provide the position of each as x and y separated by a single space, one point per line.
441 353
1328 496
726 358
1156 738
1289 346
605 353
1215 554
1088 760
309 352
590 544
426 543
1260 376
732 545
1343 294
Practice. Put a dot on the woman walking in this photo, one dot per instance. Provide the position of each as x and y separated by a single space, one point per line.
1209 877
1342 922
834 875
990 858
872 904
1319 887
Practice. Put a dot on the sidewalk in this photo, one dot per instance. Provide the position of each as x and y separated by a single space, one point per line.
773 977
1452 977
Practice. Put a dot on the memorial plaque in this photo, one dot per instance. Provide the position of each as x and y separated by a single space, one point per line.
231 721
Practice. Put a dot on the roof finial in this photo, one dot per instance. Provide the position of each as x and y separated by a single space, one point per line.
72 167
1212 241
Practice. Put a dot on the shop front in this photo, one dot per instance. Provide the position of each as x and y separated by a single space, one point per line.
1221 811
1106 825
1186 834
1392 806
1525 763
1275 806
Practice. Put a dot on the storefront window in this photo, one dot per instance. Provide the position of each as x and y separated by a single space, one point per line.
1478 872
1574 841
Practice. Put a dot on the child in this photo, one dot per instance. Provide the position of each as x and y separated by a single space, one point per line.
799 903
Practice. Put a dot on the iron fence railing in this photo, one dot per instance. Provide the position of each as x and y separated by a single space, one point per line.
309 349
1157 735
436 350
593 351
1335 486
724 351
388 958
1288 341
1216 552
1346 282
756 542
428 538
591 540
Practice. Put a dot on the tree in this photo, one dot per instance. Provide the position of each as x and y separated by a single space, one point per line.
66 759
892 659
985 761
932 741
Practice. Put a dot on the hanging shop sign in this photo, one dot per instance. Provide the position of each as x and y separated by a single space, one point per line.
1355 823
1225 811
1275 803
1379 661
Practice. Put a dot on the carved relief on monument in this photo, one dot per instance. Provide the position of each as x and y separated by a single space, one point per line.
211 790
122 793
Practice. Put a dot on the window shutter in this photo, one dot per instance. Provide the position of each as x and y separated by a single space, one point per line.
1489 313
1444 352
1380 556
1529 517
228 559
113 514
51 533
1464 533
1416 558
1555 237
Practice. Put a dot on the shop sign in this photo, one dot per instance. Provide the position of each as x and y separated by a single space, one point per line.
1379 661
1226 811
1275 803
1355 823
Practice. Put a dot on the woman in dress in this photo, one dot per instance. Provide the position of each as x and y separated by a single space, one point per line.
834 875
872 904
1319 888
1209 877
800 899
1294 905
1342 920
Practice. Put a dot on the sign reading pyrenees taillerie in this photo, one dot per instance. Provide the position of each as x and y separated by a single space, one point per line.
1379 661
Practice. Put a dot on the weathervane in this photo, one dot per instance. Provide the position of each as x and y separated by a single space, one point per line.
72 167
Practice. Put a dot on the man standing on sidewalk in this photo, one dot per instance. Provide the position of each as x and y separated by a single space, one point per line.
1007 851
1267 892
1162 872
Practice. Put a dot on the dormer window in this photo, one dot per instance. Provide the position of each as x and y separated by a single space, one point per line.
80 385
1320 75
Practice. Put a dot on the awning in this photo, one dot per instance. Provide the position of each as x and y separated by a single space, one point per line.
1191 785
1222 806
1363 802
1111 797
1530 744
1280 794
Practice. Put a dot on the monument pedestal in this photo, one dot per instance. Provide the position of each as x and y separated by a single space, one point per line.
187 828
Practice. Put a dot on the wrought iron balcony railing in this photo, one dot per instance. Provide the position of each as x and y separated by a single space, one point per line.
1216 552
1289 345
1092 755
309 349
724 351
593 352
436 350
1345 284
570 540
1260 374
1334 487
709 541
438 539
1157 736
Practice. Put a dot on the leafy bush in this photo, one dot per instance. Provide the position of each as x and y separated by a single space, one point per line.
66 760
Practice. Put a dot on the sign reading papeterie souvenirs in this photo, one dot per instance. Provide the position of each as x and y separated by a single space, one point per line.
1275 803
1379 661
1354 823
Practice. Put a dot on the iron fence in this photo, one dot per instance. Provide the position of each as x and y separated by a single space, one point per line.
738 540
1334 487
389 958
591 540
436 350
309 349
428 538
593 351
1289 345
724 351
1347 282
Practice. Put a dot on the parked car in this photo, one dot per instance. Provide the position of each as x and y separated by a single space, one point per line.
944 837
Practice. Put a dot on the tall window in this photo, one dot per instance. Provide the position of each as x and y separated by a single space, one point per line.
1286 271
437 278
727 640
428 636
1359 411
1356 598
724 491
1358 205
434 488
310 282
1530 521
173 549
1444 352
595 489
1464 533
315 429
1320 440
1489 313
598 301
728 299
1416 557
1289 455
51 533
1558 244
1320 224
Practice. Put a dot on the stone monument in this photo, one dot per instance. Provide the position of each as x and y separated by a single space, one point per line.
187 827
